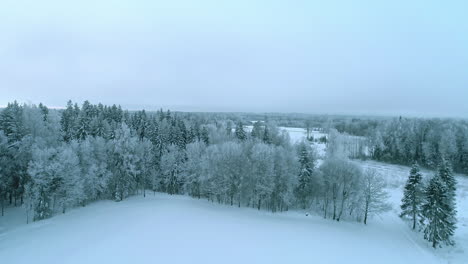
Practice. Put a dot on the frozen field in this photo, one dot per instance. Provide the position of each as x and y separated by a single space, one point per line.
176 229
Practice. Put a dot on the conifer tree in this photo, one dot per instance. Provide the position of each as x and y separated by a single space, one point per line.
446 175
266 136
205 137
413 196
438 213
240 132
304 187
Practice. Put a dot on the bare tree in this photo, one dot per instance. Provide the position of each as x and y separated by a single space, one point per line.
374 194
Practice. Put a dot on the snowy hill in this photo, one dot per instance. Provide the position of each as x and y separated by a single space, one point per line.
177 229
396 176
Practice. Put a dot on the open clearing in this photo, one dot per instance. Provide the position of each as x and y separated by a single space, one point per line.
177 229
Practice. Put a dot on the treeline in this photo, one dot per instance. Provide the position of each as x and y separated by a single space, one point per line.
424 141
52 160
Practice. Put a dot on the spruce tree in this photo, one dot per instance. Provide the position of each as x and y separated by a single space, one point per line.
446 175
438 213
413 196
240 132
266 136
305 179
205 136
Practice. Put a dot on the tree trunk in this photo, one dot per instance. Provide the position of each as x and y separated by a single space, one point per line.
334 208
366 212
342 205
2 203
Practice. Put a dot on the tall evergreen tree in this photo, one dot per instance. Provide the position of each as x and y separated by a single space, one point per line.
240 132
11 122
205 137
266 136
413 196
67 122
305 185
446 175
438 213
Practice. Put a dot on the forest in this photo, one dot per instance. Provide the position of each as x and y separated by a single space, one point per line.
56 159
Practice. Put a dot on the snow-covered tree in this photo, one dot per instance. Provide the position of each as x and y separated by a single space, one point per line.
257 130
306 182
195 153
284 179
240 132
342 183
446 175
56 181
172 166
93 156
124 163
205 136
413 196
375 197
262 172
439 214
5 168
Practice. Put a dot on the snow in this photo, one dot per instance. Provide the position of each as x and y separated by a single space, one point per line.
13 217
177 229
396 176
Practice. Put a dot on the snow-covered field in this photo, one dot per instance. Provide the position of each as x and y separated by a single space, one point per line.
177 229
396 175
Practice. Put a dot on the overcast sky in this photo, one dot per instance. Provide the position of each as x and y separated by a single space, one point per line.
401 57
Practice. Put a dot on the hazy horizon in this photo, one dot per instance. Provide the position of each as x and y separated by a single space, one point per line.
337 57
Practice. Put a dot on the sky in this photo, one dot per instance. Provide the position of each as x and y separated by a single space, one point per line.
347 57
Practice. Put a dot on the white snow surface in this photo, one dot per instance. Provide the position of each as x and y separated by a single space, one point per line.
396 176
178 229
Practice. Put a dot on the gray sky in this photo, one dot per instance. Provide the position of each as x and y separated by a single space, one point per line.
399 57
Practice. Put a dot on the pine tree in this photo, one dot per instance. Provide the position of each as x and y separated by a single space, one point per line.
266 136
11 122
438 213
205 137
446 175
240 132
304 188
67 122
413 195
